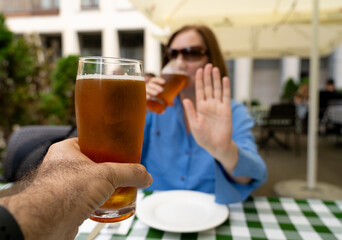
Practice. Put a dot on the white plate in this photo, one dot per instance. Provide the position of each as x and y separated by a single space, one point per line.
181 211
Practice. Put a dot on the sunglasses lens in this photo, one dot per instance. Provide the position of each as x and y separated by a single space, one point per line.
189 53
193 54
171 53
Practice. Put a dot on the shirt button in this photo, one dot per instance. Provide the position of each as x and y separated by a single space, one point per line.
182 178
187 152
158 133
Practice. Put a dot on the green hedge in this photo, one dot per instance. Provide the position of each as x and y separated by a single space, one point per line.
32 89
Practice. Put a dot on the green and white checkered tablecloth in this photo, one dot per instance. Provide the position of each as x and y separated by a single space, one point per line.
258 218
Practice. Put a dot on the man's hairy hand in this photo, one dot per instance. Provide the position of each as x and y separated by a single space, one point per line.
66 189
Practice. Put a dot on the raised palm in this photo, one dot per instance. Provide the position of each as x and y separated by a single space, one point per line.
211 121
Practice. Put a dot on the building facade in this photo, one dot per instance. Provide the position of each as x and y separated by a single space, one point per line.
87 27
115 28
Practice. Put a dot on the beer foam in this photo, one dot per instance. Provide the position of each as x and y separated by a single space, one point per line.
173 71
120 77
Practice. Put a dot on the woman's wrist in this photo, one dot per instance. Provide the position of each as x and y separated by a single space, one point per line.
228 157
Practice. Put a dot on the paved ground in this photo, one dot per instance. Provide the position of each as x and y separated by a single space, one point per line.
286 165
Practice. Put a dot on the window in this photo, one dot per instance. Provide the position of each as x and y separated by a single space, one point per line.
90 4
90 44
52 46
132 44
49 4
32 7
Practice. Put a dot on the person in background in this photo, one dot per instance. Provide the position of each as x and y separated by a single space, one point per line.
330 85
55 199
325 96
302 94
204 141
329 93
301 100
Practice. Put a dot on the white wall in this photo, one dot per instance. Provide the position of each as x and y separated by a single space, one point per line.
243 79
267 84
290 68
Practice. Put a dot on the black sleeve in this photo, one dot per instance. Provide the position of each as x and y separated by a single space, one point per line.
9 228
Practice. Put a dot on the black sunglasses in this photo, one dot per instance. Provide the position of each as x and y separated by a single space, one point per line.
189 53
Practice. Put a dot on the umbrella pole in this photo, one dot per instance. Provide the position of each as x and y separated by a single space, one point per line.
297 188
250 82
252 42
313 103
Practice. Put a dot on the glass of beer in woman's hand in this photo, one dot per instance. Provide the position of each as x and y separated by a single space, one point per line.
176 77
110 100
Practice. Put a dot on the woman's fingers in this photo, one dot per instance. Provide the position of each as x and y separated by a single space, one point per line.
153 90
207 78
199 85
217 84
208 83
226 91
154 87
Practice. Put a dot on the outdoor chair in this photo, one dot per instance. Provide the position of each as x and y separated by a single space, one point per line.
282 118
27 147
331 123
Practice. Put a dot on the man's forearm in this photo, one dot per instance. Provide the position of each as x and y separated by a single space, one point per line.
30 211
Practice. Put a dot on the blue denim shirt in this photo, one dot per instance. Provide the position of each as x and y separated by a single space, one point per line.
176 161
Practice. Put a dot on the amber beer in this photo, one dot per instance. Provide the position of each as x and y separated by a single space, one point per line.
174 84
110 114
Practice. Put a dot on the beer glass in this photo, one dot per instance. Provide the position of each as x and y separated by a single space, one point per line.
110 101
176 78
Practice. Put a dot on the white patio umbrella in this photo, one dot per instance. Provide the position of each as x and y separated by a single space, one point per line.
267 28
262 29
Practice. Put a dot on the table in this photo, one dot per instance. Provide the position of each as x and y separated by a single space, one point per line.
259 113
259 218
